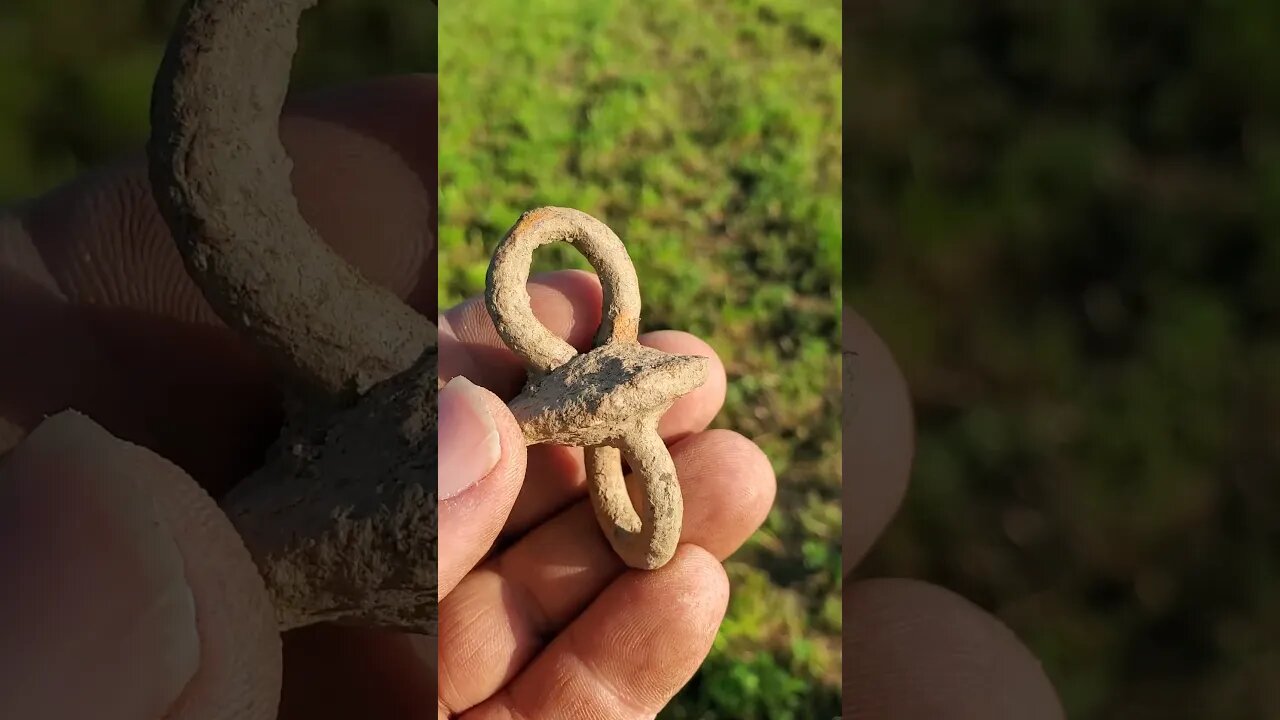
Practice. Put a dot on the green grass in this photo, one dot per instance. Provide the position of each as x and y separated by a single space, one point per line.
77 74
708 136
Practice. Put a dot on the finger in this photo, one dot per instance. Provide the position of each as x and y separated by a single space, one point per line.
629 653
481 466
499 618
131 594
91 268
693 412
383 132
339 673
879 438
401 112
914 651
567 302
557 476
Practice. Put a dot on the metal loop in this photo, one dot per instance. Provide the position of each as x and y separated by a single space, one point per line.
508 297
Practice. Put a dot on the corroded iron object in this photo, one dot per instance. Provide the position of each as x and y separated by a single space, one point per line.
608 400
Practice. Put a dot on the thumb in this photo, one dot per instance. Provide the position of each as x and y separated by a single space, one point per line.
127 592
481 468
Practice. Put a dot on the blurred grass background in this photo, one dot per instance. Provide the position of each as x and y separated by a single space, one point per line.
707 135
75 75
1066 224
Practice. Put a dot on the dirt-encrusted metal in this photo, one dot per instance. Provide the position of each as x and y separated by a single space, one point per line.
341 519
608 400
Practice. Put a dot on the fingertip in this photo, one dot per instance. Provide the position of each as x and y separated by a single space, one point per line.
917 650
579 285
97 573
131 559
696 588
729 487
511 438
382 132
694 411
879 437
667 620
401 111
570 303
366 201
567 302
476 506
498 440
468 438
705 585
240 650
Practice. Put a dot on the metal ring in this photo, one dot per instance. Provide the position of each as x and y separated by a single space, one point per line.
508 299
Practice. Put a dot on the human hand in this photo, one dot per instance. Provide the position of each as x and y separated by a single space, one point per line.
538 615
124 591
913 651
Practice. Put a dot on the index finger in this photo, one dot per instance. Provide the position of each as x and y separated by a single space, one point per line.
568 302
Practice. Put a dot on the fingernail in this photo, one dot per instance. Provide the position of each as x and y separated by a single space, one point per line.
96 618
469 443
